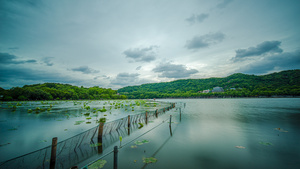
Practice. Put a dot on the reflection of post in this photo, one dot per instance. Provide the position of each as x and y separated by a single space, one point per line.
146 117
53 153
128 124
170 125
100 141
156 111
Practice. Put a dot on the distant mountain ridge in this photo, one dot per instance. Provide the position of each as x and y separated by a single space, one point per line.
235 85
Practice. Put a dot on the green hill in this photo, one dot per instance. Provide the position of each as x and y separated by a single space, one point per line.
236 85
56 91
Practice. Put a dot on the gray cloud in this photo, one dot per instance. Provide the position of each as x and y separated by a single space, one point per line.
138 68
266 47
124 79
6 58
224 3
85 70
197 18
205 40
47 61
282 61
170 70
142 54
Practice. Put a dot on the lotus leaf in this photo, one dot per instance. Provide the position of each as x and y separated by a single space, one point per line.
95 145
149 160
98 164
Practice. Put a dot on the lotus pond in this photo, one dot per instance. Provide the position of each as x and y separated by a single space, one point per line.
31 125
219 133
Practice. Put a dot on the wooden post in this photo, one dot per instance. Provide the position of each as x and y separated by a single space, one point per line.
116 157
180 113
170 125
164 110
146 117
100 130
156 111
53 153
128 124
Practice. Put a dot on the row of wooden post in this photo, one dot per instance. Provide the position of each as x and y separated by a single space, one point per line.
100 135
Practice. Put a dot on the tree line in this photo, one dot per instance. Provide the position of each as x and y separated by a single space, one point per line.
56 91
285 83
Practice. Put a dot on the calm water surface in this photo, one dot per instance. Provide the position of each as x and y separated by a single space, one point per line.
210 130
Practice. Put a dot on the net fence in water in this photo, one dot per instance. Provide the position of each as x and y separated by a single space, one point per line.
82 146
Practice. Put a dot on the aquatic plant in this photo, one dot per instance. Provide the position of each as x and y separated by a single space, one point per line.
149 160
98 164
95 145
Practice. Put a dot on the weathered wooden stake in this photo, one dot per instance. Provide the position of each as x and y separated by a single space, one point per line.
100 130
156 113
116 157
146 117
170 125
164 110
53 153
128 124
180 113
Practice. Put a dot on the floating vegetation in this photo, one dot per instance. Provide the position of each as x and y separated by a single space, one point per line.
102 120
43 141
14 128
141 125
88 118
1 145
102 110
281 130
133 146
86 114
29 111
149 160
65 129
79 122
242 147
141 142
98 164
265 143
95 145
88 122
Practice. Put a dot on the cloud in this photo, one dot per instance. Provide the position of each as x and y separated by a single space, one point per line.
205 40
138 68
85 70
142 54
125 79
266 47
276 62
197 18
170 70
6 58
47 61
224 4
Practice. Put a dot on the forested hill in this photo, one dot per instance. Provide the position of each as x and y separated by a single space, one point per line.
56 91
236 85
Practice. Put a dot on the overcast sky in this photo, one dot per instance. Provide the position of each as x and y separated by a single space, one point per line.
116 43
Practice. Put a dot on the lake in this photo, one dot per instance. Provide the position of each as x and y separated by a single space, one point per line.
221 133
30 126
